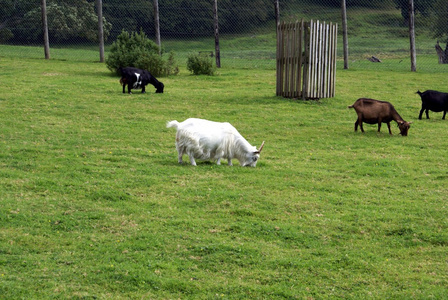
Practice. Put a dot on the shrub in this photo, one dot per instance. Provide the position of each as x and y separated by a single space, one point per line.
137 50
171 67
5 35
200 64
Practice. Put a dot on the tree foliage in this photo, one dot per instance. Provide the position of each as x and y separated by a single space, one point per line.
67 19
12 14
422 6
351 3
236 16
440 27
12 11
129 15
188 17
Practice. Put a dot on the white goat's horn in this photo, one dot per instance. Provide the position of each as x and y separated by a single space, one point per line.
261 147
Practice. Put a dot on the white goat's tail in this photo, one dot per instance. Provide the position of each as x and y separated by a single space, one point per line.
174 124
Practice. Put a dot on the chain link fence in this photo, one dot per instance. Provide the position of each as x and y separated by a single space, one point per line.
247 29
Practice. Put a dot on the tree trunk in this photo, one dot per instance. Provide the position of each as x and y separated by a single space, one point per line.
99 8
45 29
443 54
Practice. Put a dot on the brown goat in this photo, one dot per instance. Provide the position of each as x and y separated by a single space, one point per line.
376 112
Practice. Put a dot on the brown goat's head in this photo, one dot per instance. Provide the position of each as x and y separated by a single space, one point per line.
404 127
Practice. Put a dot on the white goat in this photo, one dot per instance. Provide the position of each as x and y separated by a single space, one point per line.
208 140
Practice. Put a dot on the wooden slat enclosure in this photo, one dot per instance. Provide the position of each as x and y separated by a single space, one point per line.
306 59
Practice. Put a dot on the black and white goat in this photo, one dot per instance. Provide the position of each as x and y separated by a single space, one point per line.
138 79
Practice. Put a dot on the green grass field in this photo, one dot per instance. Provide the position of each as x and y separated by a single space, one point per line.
95 205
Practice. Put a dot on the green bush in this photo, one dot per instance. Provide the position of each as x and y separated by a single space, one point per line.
171 67
137 50
5 35
200 64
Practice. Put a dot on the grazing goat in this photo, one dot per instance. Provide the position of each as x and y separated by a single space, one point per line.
433 101
138 79
374 111
208 140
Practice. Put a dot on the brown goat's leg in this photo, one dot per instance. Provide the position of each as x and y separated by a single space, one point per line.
388 126
356 125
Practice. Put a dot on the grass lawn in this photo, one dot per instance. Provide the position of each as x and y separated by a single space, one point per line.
95 205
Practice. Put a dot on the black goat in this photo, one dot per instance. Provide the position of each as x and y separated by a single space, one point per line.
433 101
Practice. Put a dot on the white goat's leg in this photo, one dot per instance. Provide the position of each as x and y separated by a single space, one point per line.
180 153
229 162
192 161
218 162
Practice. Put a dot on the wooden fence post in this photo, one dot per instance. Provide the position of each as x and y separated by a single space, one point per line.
99 8
45 29
277 13
306 59
412 36
217 52
344 33
157 24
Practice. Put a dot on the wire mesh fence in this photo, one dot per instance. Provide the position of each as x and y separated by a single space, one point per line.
247 29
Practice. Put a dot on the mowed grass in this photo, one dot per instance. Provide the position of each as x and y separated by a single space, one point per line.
95 205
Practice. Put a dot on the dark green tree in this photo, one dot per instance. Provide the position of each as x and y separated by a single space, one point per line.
421 6
440 25
349 3
129 16
236 16
12 14
67 20
186 17
440 29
